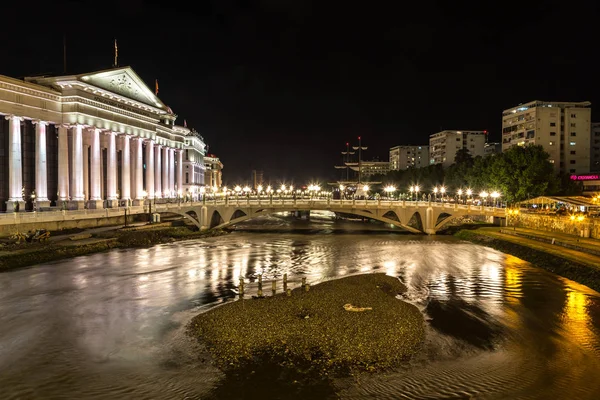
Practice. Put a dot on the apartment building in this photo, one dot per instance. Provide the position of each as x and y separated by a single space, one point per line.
563 129
489 149
595 147
444 145
404 157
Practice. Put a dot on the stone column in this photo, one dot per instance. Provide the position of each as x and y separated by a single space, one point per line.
86 169
111 169
165 173
63 164
41 166
139 170
95 198
172 170
180 172
157 171
15 165
77 164
125 169
150 168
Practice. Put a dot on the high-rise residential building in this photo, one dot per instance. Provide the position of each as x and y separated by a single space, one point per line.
444 145
193 164
257 179
404 157
561 128
489 149
213 177
595 147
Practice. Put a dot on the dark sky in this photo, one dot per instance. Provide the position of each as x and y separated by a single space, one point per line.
282 85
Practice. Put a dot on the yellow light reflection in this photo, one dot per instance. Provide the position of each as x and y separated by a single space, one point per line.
513 277
575 317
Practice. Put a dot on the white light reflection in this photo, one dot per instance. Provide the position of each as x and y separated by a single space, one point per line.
390 268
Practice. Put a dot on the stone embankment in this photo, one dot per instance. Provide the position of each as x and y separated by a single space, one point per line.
17 255
564 255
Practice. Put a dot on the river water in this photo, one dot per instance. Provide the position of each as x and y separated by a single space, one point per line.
112 325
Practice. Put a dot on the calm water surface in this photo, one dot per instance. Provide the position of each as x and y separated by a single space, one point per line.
111 325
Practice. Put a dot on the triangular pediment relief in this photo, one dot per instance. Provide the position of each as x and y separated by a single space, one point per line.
125 82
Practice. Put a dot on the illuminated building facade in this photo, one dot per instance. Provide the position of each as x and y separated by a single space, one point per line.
193 165
213 176
92 140
444 145
561 128
404 157
257 179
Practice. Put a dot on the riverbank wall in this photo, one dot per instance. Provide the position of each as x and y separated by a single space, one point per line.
18 255
539 254
83 223
588 227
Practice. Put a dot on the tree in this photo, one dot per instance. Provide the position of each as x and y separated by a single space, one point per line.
521 172
463 158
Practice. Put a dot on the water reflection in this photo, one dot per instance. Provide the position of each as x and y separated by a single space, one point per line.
107 324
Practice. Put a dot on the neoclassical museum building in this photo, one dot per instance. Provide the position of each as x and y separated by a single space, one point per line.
94 140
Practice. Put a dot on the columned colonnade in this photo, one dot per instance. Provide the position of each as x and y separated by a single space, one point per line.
96 167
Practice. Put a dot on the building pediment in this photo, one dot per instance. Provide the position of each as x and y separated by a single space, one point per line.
125 82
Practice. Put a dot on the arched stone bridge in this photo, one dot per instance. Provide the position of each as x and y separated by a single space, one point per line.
414 216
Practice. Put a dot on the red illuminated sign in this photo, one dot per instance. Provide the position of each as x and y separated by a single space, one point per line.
584 177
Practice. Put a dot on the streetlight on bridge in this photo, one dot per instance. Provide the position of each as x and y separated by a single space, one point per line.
484 196
390 189
495 195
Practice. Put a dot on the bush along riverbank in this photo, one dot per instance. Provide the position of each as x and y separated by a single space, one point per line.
578 272
26 254
293 345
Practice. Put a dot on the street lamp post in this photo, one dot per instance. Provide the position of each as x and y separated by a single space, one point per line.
435 192
443 191
495 195
484 196
417 188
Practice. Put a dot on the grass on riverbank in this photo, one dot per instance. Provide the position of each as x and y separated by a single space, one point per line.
310 335
538 254
27 254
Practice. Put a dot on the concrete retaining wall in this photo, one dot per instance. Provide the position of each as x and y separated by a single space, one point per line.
586 228
7 230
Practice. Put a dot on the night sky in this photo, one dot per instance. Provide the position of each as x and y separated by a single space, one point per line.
281 85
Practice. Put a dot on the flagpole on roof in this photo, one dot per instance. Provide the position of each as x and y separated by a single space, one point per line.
116 64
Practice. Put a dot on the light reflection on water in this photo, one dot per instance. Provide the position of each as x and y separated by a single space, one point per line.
107 324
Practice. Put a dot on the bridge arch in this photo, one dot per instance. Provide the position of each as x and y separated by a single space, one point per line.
386 218
237 214
416 221
391 215
216 220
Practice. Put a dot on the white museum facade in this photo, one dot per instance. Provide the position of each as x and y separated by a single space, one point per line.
95 140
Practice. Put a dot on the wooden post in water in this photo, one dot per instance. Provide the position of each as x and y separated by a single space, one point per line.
303 281
306 287
241 287
274 287
260 286
285 282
